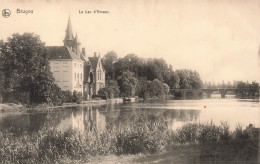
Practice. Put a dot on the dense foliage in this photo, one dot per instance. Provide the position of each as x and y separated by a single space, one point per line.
215 143
111 90
25 68
150 89
74 97
135 75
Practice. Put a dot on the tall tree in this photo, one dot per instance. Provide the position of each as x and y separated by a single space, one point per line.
108 62
174 80
127 83
26 68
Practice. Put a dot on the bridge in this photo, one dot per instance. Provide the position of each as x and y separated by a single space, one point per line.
196 92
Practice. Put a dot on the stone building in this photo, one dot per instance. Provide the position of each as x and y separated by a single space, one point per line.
95 75
71 68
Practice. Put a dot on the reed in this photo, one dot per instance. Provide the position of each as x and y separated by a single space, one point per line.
50 145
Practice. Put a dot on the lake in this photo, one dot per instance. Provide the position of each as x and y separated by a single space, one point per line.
175 112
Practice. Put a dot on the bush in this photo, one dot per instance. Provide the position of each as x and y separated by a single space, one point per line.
111 90
68 98
77 97
188 133
142 138
55 96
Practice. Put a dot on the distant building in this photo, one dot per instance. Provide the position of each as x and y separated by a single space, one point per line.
72 70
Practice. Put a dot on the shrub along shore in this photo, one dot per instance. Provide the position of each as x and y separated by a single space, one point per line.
11 107
216 143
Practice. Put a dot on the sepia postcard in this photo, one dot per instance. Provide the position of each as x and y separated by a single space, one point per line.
141 81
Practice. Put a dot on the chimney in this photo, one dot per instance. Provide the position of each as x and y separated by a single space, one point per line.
95 54
84 51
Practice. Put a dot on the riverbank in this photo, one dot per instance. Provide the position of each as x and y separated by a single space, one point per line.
141 141
11 107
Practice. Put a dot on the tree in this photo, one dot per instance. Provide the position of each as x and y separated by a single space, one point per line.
111 90
127 83
157 88
166 89
184 79
195 81
25 68
108 62
189 79
134 64
153 71
142 87
174 80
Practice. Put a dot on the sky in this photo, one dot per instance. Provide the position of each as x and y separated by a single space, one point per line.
218 38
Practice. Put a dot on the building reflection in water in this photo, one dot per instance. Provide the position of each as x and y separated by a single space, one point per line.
94 120
84 120
77 121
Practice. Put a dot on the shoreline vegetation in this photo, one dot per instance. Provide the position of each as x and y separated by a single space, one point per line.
12 107
200 142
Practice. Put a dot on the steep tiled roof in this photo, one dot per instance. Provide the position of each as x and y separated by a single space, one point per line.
61 52
93 61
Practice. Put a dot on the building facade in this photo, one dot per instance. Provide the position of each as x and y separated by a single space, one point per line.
98 73
67 69
72 70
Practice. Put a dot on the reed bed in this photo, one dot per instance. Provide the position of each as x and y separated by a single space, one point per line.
216 143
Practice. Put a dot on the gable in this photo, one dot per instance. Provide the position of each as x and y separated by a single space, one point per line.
93 61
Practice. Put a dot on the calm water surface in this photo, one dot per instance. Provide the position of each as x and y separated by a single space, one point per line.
176 112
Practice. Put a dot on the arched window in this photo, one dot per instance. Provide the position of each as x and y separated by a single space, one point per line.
99 75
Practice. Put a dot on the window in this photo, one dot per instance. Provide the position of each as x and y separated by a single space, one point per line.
65 65
80 65
75 65
56 65
80 77
65 76
75 76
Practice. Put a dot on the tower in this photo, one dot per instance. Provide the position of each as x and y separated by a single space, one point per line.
69 39
76 46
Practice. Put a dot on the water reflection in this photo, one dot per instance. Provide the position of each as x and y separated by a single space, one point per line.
175 112
17 122
83 119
